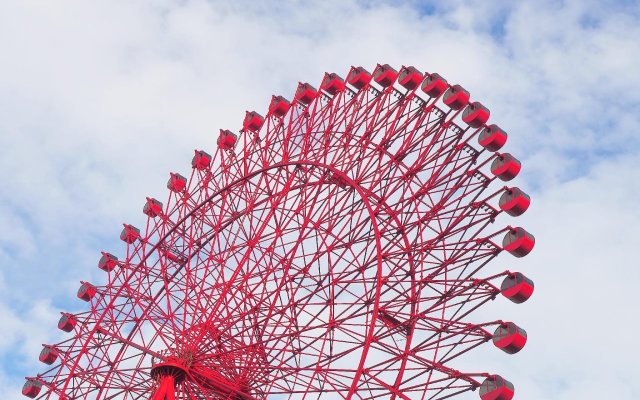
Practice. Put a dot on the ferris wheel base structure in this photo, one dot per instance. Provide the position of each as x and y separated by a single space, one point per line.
336 246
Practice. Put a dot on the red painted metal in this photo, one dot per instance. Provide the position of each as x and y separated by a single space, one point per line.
496 388
67 322
107 262
517 287
152 208
332 83
177 183
509 337
86 291
338 252
279 106
434 85
492 138
252 121
166 388
358 77
456 97
129 234
227 139
409 77
514 201
505 166
48 354
475 115
31 388
518 242
305 93
201 160
384 75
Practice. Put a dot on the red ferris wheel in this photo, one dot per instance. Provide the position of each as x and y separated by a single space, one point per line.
334 248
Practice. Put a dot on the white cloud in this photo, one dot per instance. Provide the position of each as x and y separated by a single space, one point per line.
100 100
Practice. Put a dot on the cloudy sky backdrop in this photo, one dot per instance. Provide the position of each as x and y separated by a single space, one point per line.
99 100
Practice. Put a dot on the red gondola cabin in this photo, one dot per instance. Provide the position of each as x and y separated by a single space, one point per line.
201 160
31 388
67 322
279 106
496 388
107 262
305 93
384 75
492 138
517 287
86 291
332 84
475 115
358 77
505 166
48 354
177 258
227 139
409 77
509 338
514 201
456 97
129 234
152 208
434 85
177 183
518 242
252 121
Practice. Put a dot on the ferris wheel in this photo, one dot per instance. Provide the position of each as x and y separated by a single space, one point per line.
334 248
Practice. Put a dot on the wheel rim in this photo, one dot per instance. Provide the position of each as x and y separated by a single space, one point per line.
336 252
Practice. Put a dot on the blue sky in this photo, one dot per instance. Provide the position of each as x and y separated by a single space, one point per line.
100 100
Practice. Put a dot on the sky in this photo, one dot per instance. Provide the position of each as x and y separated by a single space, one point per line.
100 100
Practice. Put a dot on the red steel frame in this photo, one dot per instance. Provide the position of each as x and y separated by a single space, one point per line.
336 251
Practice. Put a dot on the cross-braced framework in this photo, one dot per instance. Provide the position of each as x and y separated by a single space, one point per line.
333 249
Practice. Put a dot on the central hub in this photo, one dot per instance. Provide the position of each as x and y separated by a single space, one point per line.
172 372
210 361
173 367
